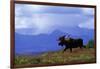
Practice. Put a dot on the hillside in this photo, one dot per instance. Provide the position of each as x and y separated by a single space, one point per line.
77 56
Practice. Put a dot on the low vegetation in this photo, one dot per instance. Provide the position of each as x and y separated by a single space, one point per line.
77 56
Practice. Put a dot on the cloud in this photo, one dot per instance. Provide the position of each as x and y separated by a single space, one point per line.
89 24
88 11
34 20
45 9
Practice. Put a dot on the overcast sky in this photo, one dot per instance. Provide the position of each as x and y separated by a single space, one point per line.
40 19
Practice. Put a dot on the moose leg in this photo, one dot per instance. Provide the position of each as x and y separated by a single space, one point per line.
80 47
70 49
65 49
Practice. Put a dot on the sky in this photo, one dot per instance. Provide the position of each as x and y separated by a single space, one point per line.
40 19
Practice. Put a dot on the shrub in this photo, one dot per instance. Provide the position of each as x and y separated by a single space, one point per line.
90 44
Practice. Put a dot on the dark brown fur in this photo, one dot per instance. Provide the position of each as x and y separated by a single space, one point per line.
70 43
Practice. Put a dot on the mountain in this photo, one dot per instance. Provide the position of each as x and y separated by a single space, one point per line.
37 43
45 42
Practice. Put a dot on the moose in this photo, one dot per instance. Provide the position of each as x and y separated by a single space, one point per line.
70 43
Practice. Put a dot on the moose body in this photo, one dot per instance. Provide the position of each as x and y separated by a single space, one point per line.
70 43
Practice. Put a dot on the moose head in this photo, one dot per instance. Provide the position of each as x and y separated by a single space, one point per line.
62 39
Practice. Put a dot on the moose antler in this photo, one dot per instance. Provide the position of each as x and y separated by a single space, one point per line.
68 35
64 36
61 37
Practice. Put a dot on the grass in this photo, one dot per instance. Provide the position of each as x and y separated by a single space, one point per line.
77 56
